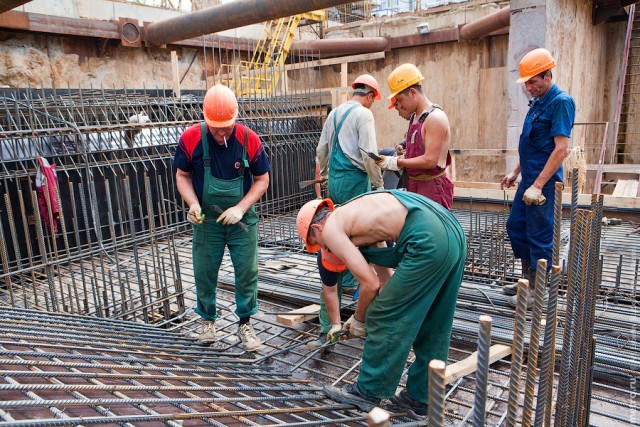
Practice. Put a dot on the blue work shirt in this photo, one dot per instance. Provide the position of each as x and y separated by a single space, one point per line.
549 116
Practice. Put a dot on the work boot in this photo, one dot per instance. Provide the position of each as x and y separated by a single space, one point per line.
249 339
405 403
351 394
208 332
527 273
319 342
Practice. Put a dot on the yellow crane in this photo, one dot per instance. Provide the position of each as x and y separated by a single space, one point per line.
259 76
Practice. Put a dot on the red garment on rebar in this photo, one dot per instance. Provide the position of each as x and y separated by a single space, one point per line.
46 184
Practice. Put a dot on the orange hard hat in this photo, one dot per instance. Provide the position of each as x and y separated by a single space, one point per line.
404 76
220 107
534 63
332 262
305 216
393 103
369 80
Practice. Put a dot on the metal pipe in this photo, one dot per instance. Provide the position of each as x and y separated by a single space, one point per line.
347 46
6 5
486 25
227 16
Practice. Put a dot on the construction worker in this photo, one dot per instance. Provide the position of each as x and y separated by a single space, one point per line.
222 171
427 141
347 135
412 307
544 144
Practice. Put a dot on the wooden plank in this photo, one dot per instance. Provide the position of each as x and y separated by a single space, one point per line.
631 189
470 364
298 316
583 199
334 61
175 70
621 185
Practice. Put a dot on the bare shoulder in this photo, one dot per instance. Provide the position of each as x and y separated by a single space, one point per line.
437 118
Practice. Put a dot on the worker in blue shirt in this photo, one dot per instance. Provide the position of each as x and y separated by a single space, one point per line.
544 144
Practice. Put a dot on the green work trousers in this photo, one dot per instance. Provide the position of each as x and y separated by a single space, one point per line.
416 307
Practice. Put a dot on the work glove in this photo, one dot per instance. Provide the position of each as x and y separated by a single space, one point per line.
389 163
195 215
400 149
355 327
533 196
231 216
334 329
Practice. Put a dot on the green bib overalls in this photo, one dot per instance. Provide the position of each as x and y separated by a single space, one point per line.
415 308
211 237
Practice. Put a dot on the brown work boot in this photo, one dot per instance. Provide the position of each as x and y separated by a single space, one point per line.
248 336
208 332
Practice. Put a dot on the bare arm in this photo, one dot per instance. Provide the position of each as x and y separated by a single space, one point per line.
317 178
258 188
510 178
185 187
555 161
341 246
435 133
332 303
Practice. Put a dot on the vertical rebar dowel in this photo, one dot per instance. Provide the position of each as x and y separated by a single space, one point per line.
136 258
436 392
43 252
557 223
548 354
534 341
484 344
517 348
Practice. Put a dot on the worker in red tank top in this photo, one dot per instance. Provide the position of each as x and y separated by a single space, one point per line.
426 155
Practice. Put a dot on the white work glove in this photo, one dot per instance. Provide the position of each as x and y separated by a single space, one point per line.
355 327
389 163
195 215
333 330
400 150
231 216
533 196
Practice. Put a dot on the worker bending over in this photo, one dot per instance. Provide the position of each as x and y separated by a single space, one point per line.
412 307
222 171
427 141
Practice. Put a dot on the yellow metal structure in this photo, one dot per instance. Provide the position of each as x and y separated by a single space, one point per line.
261 74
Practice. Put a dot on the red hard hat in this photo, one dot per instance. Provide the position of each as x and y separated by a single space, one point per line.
220 107
393 104
369 80
303 221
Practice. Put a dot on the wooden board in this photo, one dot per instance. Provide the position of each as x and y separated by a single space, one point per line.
470 364
298 316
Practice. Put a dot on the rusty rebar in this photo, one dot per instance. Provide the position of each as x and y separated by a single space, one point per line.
480 398
436 392
517 352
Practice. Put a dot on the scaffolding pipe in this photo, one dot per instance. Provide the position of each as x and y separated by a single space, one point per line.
341 46
227 16
486 25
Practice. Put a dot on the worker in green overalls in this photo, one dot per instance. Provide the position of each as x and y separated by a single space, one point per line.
347 135
412 307
222 170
